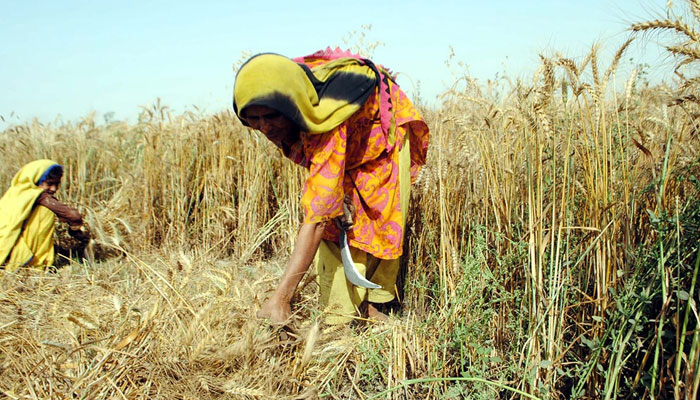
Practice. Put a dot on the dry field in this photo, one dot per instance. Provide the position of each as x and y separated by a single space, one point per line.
552 254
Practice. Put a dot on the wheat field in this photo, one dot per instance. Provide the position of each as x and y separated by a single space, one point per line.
552 251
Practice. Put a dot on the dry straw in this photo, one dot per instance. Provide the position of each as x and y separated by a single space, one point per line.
524 258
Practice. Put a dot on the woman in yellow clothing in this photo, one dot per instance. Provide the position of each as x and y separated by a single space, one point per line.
28 212
345 119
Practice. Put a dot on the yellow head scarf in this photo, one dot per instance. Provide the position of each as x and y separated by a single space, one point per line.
317 99
17 203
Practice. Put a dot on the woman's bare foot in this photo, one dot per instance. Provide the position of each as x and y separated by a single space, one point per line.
373 313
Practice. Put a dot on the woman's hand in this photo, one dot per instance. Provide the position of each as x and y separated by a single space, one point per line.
347 220
80 233
276 312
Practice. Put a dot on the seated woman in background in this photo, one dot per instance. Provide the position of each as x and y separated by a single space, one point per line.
28 212
344 119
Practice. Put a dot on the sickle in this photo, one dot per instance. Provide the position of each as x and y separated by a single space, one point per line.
351 272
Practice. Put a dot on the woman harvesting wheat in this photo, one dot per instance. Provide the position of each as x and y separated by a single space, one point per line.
28 212
346 120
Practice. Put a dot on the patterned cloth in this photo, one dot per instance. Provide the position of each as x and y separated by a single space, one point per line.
358 158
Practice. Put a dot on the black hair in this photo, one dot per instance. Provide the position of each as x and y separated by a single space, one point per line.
54 172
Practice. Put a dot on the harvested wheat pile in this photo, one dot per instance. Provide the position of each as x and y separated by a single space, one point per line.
171 327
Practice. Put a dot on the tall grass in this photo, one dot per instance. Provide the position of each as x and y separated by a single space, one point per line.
552 253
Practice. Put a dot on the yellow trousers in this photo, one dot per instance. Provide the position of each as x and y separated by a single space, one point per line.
339 298
34 247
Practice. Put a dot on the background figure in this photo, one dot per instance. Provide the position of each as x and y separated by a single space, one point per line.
345 120
28 212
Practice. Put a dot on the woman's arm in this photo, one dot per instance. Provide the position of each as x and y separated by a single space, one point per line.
64 213
278 308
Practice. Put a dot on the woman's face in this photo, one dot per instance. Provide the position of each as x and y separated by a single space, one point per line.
50 185
271 123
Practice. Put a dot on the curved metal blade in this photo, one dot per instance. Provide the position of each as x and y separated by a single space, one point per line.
351 272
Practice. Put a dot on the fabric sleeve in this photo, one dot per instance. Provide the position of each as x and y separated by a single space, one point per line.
408 118
63 212
323 194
